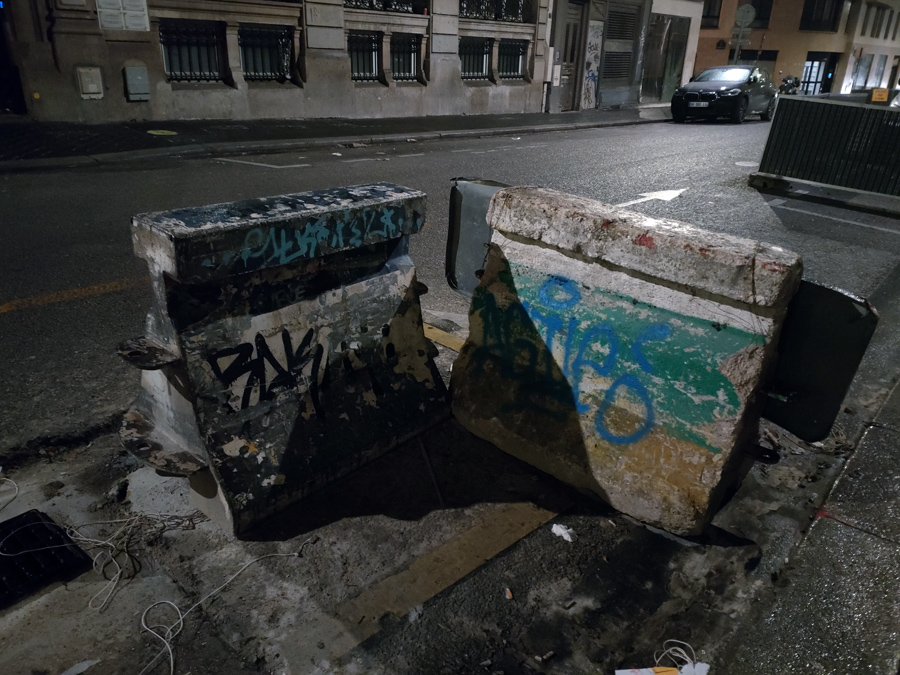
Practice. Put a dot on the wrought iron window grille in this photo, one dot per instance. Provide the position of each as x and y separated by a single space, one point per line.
475 57
382 5
193 51
405 50
511 59
493 10
365 56
266 51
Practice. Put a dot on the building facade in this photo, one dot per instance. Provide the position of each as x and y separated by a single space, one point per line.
838 46
106 60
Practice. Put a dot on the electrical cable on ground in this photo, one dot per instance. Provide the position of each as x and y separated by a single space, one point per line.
169 633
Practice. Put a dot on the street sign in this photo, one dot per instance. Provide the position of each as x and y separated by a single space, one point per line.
734 42
744 16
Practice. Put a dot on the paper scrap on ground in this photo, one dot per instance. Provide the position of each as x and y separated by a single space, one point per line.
658 670
566 533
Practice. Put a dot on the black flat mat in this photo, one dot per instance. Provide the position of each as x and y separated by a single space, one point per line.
35 552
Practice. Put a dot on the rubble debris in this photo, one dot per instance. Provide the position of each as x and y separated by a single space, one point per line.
509 595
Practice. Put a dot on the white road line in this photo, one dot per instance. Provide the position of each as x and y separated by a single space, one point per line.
263 164
361 159
778 204
414 154
466 150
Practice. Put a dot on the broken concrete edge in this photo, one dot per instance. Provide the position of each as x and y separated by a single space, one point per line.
239 148
876 203
21 454
724 266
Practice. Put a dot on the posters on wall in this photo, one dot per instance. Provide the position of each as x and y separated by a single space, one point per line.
123 15
592 65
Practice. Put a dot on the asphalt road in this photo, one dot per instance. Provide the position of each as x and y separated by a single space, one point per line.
72 288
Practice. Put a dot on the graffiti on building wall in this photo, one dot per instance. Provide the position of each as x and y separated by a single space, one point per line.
625 365
592 65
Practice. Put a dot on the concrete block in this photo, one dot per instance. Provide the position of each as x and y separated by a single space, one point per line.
287 335
445 25
444 44
318 37
325 15
620 353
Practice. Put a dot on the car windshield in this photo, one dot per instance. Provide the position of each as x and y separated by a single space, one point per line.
723 75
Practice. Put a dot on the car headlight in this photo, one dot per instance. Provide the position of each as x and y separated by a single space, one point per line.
731 92
678 93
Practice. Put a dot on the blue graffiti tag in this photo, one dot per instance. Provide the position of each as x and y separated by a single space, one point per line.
558 294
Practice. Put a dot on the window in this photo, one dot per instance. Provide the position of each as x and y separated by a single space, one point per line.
266 51
475 57
511 59
878 72
492 10
405 56
821 15
880 11
711 11
861 71
193 51
365 56
763 13
887 25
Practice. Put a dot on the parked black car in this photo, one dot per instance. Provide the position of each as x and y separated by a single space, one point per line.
726 91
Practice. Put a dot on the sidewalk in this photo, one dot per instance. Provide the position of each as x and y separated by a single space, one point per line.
25 144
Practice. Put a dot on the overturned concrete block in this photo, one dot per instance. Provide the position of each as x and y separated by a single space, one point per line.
285 346
621 353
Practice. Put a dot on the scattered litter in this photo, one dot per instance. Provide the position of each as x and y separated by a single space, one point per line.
169 633
509 595
609 520
517 138
566 533
818 444
411 140
687 665
380 153
415 613
79 668
337 154
569 605
357 145
549 655
485 663
648 671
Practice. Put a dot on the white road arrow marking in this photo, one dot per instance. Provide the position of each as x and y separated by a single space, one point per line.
664 195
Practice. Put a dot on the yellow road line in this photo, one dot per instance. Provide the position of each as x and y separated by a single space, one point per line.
444 338
71 294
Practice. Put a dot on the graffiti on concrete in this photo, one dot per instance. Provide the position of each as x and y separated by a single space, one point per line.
255 359
607 358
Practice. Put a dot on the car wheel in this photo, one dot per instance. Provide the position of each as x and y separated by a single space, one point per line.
767 114
678 117
740 111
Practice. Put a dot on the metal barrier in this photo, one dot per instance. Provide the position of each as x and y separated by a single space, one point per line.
834 143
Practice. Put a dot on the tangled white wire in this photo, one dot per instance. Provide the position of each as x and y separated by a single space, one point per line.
15 494
169 633
122 542
677 655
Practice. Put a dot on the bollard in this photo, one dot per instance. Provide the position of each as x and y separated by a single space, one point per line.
285 346
621 353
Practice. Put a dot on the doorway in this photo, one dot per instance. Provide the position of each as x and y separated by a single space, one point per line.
818 72
12 100
667 39
569 79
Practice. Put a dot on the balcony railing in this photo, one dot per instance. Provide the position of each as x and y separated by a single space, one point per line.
382 5
493 10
